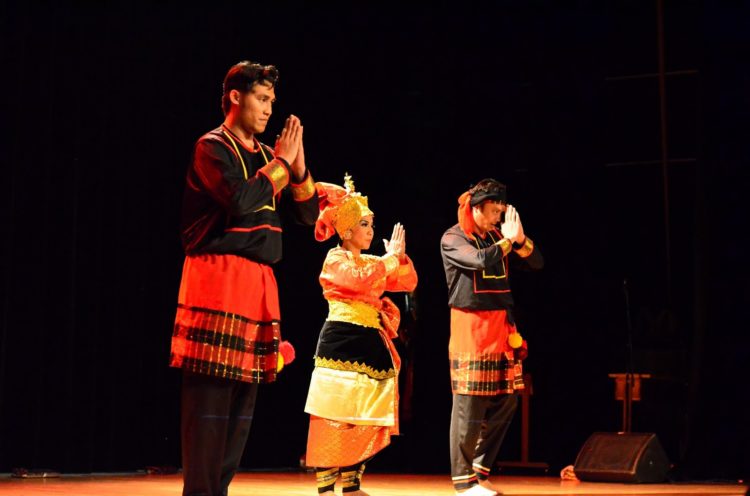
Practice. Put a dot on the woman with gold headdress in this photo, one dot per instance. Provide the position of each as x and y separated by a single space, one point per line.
353 397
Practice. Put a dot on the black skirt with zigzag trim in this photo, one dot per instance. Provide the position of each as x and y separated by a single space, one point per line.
353 347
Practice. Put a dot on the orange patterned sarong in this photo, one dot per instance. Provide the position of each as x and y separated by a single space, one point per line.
338 444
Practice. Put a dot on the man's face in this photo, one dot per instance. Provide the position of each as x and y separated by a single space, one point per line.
255 107
487 215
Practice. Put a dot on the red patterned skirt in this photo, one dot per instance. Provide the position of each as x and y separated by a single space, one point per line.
228 320
481 361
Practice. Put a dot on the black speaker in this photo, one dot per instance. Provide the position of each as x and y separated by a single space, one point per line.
622 457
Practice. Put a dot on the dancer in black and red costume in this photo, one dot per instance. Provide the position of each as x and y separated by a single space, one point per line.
227 336
485 347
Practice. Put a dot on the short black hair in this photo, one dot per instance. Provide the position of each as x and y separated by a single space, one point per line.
488 189
242 76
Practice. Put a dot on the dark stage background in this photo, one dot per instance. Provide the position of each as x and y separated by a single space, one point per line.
102 102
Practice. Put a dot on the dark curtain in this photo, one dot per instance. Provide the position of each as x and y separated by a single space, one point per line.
102 103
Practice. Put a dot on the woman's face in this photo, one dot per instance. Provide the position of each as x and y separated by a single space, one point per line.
361 235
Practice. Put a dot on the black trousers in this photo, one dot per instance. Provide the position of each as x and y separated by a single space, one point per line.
216 418
478 427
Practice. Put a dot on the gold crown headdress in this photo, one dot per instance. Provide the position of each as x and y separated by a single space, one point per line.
340 208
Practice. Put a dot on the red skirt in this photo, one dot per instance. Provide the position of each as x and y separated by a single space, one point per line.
228 320
482 361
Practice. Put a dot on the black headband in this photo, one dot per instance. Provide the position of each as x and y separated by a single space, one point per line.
495 192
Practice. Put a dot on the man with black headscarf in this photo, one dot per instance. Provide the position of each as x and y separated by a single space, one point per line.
485 348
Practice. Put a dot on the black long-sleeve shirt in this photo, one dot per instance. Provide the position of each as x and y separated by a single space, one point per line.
232 199
477 269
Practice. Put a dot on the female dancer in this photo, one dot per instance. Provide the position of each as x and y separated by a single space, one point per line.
353 397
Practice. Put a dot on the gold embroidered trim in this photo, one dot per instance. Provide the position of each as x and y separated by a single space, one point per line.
351 210
485 358
326 473
350 478
354 312
304 190
277 174
326 477
505 245
526 249
355 367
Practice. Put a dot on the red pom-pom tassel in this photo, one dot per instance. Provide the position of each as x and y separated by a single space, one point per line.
286 350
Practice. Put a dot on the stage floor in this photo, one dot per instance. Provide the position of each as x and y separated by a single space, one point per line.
303 484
